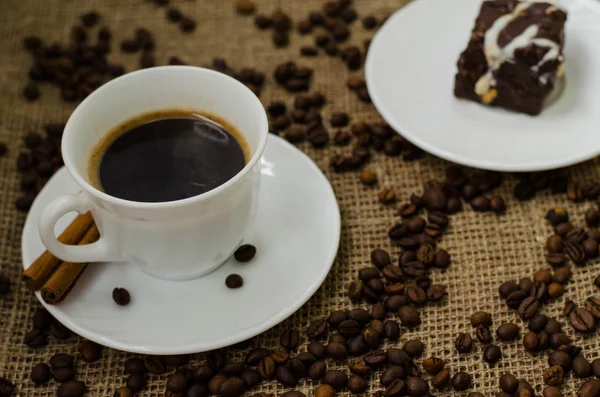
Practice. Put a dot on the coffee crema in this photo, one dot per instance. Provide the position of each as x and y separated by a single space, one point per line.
167 155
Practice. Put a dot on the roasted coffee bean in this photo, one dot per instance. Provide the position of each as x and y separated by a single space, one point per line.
375 358
416 386
40 374
433 365
63 374
508 332
414 268
561 358
415 225
155 365
528 308
454 205
508 383
557 215
232 369
435 199
356 384
280 356
339 119
289 339
36 338
551 391
539 291
553 376
336 318
391 330
31 92
358 368
266 367
254 356
197 390
442 259
409 316
481 318
480 204
367 273
187 24
497 205
436 292
368 178
461 381
391 374
285 376
463 343
563 228
592 304
317 329
372 338
90 351
337 351
569 307
554 244
530 342
413 347
357 346
559 339
336 379
575 252
378 311
590 248
581 367
298 368
176 383
121 296
324 391
590 388
575 192
441 380
582 320
317 370
42 319
216 360
234 281
483 334
245 252
507 288
515 299
232 387
76 388
349 328
596 367
524 191
492 354
555 290
416 295
562 275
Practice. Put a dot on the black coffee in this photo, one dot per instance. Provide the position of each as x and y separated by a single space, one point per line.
167 156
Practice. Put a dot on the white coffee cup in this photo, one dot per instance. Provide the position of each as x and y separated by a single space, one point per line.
173 240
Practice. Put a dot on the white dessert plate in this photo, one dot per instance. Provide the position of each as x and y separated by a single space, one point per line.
296 233
410 76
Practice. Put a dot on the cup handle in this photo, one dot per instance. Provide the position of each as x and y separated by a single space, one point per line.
95 252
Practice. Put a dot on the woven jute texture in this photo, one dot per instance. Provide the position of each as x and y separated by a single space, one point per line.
486 249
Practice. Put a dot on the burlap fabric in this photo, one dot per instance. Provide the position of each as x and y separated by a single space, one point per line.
486 249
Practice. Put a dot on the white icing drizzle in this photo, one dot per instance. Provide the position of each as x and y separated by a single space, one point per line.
496 56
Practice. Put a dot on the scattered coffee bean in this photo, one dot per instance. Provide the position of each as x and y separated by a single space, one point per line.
463 343
508 332
63 374
409 316
553 376
325 390
484 334
461 381
492 354
121 296
40 374
356 384
508 383
234 281
73 388
581 367
582 320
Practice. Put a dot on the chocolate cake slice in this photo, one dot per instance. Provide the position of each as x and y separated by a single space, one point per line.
514 58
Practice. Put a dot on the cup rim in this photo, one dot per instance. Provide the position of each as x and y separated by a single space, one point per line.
86 186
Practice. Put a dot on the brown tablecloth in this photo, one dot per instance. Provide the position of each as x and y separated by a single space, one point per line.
486 249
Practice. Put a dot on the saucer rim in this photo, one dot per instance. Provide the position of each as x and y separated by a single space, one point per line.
413 136
243 334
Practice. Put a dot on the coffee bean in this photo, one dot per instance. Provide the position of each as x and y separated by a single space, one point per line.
436 292
483 334
507 288
530 342
336 318
42 319
234 281
592 304
581 367
441 380
63 374
433 365
246 252
358 368
325 391
336 379
121 296
528 307
72 388
497 205
40 374
135 365
416 386
214 385
582 320
508 332
480 204
176 383
590 388
508 383
562 275
266 367
409 316
461 381
285 376
416 294
563 228
187 24
263 22
374 359
435 199
90 351
368 177
559 339
245 7
557 215
442 259
575 192
463 343
391 374
254 356
378 311
560 358
492 354
289 339
391 330
551 391
554 244
481 318
339 119
36 338
553 376
337 351
356 384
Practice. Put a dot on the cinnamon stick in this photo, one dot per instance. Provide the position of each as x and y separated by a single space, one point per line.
42 269
64 278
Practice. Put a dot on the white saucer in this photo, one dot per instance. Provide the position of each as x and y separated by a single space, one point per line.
296 234
410 75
